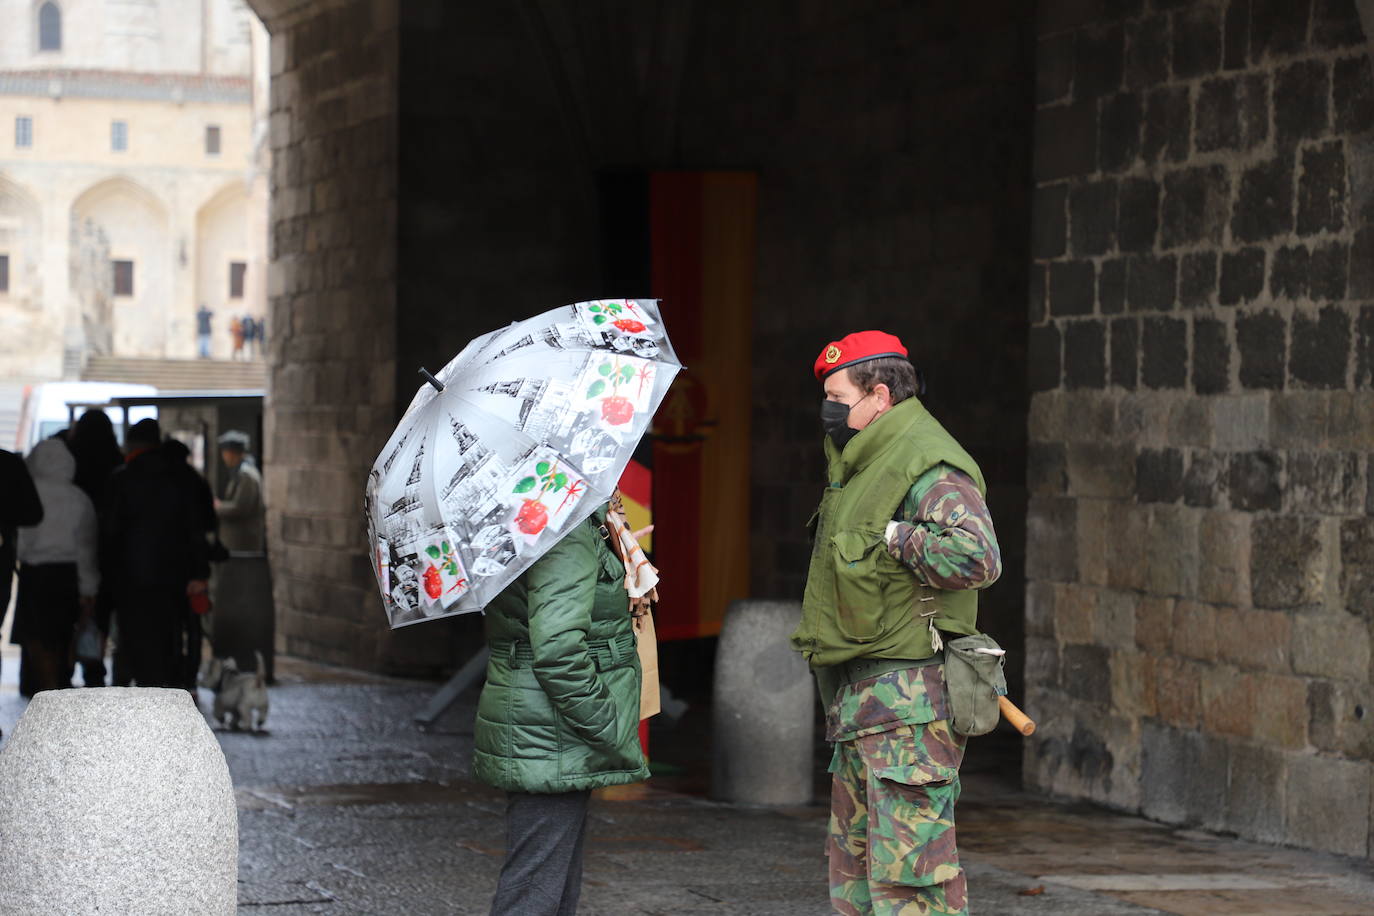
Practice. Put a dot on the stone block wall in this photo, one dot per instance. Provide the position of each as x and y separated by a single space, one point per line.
1201 524
332 336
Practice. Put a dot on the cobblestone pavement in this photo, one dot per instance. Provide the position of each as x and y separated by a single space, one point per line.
346 808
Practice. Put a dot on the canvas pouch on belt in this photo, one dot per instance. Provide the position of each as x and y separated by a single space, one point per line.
974 680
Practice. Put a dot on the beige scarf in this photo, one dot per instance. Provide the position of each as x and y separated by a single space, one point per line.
641 577
641 581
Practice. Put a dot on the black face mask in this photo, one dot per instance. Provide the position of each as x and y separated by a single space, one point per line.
835 420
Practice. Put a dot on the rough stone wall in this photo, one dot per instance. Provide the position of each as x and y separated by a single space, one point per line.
332 335
498 219
1199 535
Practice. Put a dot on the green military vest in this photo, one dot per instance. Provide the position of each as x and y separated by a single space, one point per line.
860 601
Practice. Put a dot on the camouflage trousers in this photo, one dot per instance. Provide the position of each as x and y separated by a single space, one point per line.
892 846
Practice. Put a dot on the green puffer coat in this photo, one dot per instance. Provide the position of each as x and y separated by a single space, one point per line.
560 709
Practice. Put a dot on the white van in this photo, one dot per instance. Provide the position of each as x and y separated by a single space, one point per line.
45 409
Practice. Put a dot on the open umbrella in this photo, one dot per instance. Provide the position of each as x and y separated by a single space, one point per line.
512 443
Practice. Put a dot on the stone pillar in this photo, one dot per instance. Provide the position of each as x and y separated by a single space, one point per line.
331 337
116 799
764 708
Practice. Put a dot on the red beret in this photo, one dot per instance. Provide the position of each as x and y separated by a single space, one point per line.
859 347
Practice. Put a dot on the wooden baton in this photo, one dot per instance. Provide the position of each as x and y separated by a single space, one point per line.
1018 719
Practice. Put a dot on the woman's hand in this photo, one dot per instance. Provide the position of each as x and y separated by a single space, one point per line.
643 604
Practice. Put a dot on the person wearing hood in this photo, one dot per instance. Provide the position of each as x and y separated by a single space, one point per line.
154 541
59 574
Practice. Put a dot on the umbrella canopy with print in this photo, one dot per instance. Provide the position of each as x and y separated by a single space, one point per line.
519 438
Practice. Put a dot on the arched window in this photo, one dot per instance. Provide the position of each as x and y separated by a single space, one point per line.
49 27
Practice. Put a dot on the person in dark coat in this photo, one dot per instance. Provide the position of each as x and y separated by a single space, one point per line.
250 337
20 506
154 537
97 454
203 498
203 316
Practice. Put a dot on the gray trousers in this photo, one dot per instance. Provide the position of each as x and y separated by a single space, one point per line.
542 874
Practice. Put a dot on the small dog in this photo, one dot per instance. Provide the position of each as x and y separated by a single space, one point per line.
240 696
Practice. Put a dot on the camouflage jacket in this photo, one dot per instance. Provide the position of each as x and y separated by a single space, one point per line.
947 538
948 541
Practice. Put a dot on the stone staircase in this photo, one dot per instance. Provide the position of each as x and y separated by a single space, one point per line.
178 374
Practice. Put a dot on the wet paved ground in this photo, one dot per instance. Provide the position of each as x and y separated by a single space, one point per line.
346 808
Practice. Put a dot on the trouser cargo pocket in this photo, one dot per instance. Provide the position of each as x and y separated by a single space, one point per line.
913 784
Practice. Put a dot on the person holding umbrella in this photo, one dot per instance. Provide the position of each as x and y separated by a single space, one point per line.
559 714
495 494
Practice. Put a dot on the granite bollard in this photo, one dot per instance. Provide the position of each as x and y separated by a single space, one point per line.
116 800
764 708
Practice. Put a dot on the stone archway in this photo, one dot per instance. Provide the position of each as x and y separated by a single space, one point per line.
119 220
21 238
221 240
30 334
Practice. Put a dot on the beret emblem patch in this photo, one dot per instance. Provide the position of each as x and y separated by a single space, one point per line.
832 354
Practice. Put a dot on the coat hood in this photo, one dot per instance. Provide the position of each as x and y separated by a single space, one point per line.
51 460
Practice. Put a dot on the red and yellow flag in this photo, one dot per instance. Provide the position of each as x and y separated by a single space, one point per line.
702 268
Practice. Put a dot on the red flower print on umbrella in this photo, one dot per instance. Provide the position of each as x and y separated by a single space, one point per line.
444 575
616 409
533 516
614 313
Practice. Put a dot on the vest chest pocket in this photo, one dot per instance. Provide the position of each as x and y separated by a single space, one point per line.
860 575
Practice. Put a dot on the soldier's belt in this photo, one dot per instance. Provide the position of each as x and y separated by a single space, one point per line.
857 669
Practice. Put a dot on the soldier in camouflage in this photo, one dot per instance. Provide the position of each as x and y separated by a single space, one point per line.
903 541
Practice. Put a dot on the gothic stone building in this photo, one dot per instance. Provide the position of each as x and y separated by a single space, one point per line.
133 183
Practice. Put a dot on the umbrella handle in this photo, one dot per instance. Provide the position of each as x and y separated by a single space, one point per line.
438 385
